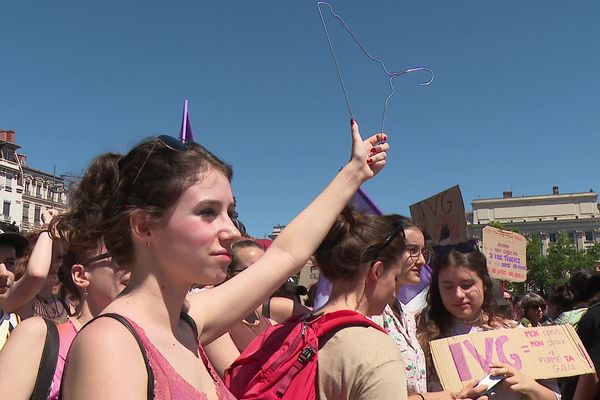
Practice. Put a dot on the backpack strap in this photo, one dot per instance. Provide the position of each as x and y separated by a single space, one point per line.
266 309
124 322
43 381
324 327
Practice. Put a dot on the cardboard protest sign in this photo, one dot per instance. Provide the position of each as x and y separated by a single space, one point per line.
505 252
309 274
441 217
541 353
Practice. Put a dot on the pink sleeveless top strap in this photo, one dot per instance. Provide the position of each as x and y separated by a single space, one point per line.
66 334
168 384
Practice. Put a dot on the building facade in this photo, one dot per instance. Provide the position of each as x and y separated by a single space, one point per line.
543 216
25 191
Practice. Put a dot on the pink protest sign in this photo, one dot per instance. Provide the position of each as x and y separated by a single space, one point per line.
542 352
505 252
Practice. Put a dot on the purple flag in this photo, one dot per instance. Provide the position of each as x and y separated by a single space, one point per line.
185 133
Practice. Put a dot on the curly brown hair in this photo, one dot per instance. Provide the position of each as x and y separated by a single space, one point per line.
150 178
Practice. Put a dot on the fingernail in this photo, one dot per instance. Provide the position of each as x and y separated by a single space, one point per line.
373 150
384 138
369 161
351 121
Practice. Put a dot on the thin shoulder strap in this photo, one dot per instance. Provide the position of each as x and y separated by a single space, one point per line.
123 320
266 309
43 381
190 321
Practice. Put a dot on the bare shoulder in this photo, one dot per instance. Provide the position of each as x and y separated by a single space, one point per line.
34 328
106 361
283 308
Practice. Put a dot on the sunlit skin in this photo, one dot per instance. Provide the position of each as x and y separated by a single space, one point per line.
105 280
404 271
196 233
246 256
410 273
462 292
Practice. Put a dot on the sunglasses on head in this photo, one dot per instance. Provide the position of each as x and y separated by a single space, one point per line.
97 258
462 247
169 142
398 231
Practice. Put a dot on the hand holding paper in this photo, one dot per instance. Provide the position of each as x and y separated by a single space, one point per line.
521 383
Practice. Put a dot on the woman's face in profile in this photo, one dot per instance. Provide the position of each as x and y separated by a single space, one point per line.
462 292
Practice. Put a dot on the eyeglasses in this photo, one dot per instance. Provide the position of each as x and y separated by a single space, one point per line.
169 142
414 251
97 258
398 230
537 306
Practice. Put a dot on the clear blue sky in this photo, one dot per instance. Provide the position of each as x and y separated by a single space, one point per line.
514 103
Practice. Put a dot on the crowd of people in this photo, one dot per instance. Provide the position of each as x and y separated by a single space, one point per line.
145 288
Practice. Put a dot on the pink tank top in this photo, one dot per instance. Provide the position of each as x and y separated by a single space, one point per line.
66 334
168 384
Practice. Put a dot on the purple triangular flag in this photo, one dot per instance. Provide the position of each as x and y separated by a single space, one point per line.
185 133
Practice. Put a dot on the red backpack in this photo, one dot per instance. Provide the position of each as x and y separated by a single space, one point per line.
281 363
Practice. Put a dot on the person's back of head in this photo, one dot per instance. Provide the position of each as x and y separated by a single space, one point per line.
355 241
580 286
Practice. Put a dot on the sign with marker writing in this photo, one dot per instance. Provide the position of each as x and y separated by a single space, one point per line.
441 217
541 353
309 274
505 252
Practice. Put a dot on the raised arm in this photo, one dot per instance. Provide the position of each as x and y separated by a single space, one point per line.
212 309
36 273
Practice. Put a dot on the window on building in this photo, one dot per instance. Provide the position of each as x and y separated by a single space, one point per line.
27 187
572 235
589 236
25 212
37 214
552 237
6 210
8 182
38 190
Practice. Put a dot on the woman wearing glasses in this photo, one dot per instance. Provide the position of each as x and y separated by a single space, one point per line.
399 322
533 306
170 221
91 280
460 301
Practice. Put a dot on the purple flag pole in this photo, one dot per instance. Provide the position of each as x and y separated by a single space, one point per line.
185 133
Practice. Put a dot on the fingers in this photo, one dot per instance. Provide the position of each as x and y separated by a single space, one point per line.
355 131
377 138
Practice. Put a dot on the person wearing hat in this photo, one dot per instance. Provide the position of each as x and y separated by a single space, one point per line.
11 245
15 294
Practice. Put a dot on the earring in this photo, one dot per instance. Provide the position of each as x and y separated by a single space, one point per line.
85 292
148 244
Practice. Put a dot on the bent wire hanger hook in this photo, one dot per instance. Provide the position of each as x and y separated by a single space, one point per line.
391 75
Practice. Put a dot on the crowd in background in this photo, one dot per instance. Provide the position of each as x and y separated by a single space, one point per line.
149 259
